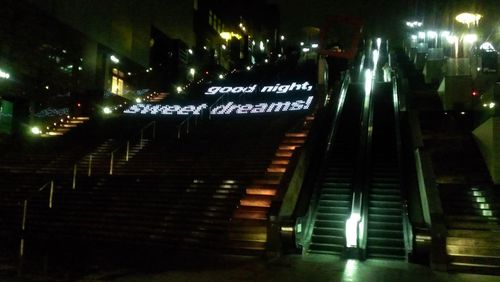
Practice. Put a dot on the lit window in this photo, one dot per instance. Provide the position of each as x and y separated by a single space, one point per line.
117 82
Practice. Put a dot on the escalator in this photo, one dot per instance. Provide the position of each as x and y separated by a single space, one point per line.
335 186
385 232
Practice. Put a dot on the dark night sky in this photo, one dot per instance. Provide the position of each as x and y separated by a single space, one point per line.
379 16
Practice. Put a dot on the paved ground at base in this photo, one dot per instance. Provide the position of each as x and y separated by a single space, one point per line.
286 268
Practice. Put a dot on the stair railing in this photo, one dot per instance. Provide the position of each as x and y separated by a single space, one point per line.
192 120
24 216
113 154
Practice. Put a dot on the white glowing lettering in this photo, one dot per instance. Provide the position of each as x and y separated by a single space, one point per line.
224 109
273 107
165 109
277 88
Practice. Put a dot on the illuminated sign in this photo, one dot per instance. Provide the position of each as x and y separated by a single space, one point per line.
52 112
225 109
277 88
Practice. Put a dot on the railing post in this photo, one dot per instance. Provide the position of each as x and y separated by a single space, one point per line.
111 163
74 176
187 126
23 228
90 166
142 136
179 132
128 150
154 130
51 194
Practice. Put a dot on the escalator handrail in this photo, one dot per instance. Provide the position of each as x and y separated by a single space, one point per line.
308 219
407 228
360 195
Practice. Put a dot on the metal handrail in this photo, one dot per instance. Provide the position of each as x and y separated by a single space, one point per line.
114 151
190 116
25 211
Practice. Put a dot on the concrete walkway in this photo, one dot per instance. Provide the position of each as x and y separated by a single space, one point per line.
293 268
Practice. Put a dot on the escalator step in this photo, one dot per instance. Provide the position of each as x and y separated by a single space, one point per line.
385 233
321 239
326 248
385 204
335 224
323 231
384 211
385 222
385 242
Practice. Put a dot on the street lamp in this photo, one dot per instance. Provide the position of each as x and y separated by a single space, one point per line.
468 18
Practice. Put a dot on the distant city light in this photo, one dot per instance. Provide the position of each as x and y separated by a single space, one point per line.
106 110
192 71
35 130
178 89
266 61
228 35
421 35
249 67
413 24
190 51
492 105
4 74
487 46
138 100
221 76
47 87
314 45
129 73
114 59
445 33
470 38
282 37
301 43
223 47
305 50
261 46
431 34
468 18
452 39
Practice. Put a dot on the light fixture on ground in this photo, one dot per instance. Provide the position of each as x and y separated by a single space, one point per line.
178 89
